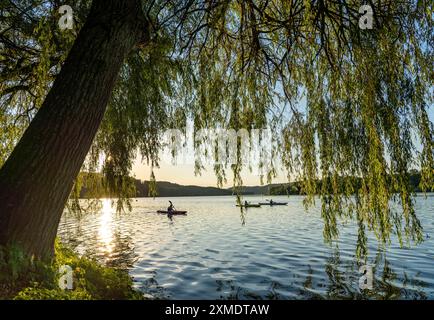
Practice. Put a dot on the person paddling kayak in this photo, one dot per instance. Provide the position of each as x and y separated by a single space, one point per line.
170 208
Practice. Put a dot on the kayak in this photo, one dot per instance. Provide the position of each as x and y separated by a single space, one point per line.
273 204
174 212
249 205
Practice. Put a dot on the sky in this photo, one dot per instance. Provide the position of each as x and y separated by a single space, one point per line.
184 174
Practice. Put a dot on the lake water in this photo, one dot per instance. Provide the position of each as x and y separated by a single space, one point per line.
279 253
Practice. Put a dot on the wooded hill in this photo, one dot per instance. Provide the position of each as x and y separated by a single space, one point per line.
169 189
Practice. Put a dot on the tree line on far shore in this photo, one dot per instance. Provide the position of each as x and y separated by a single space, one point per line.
296 188
169 189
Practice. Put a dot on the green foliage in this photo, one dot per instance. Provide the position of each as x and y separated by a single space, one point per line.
32 49
36 293
22 278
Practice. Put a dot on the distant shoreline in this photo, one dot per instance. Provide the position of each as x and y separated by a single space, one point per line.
428 194
169 189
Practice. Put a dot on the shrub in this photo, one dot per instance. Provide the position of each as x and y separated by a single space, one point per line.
22 278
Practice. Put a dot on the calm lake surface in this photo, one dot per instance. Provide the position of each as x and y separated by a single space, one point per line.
278 254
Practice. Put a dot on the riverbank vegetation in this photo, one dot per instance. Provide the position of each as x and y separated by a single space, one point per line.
26 279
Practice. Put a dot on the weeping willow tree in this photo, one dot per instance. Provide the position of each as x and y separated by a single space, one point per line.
129 70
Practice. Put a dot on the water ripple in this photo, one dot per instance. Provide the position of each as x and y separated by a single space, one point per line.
278 254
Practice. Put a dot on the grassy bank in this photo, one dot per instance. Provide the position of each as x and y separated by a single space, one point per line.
21 278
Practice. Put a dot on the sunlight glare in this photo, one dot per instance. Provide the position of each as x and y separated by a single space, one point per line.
105 231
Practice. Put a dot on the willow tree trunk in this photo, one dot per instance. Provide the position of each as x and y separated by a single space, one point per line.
37 178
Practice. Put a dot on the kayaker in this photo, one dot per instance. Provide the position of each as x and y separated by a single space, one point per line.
271 202
170 208
246 203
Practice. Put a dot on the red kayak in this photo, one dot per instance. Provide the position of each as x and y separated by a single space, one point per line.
174 212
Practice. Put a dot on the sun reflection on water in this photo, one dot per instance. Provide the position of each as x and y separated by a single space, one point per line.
105 231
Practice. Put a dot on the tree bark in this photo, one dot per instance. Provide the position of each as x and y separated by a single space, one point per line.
37 178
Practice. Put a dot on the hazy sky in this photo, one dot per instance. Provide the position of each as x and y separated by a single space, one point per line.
184 174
